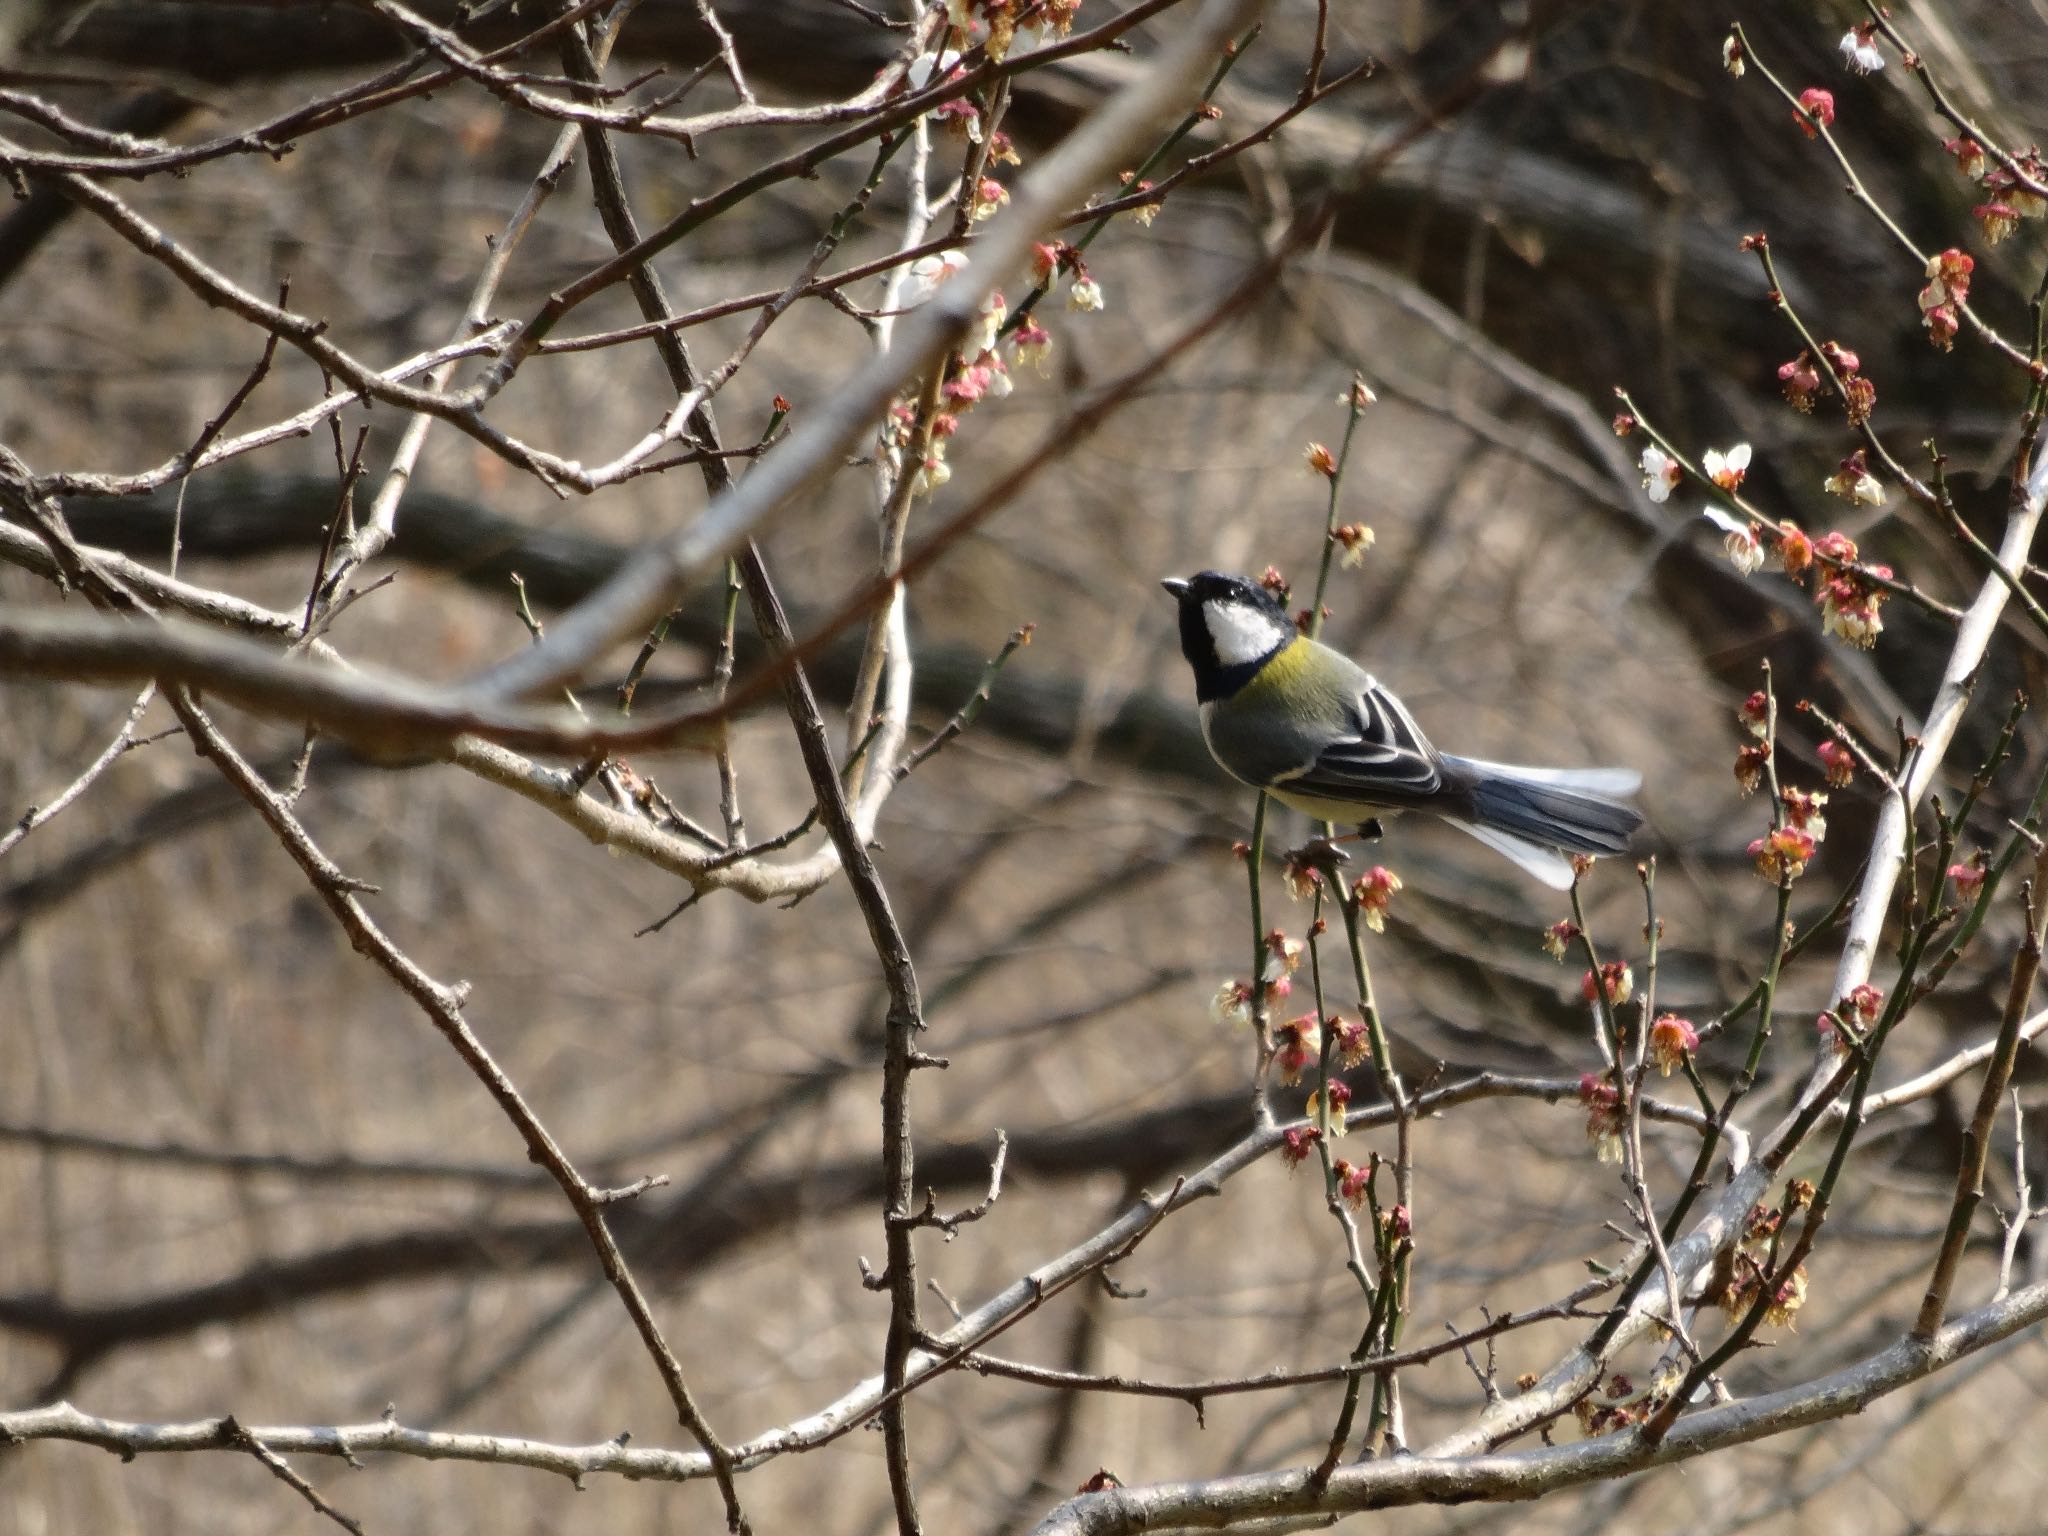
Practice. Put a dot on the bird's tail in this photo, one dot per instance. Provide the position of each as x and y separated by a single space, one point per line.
1535 815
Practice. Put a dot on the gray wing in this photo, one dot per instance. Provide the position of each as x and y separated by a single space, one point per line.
1381 759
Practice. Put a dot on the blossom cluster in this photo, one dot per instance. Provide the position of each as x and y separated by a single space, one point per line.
1009 24
1605 1121
1849 590
2011 193
1857 1012
1751 1262
1947 289
978 371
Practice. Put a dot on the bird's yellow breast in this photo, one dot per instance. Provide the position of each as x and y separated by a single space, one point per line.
1291 679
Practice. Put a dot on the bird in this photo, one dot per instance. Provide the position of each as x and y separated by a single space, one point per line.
1302 721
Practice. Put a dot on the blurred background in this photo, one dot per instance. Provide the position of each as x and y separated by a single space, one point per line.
240 1173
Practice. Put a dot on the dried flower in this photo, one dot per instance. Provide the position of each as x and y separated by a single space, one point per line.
1942 325
1862 1004
1800 380
1783 1311
1859 399
1804 810
1795 549
1672 1039
1271 579
1750 763
1838 763
1374 891
1969 154
1816 110
1559 937
1351 1039
1296 1145
1968 877
1604 1119
1783 854
1661 474
1999 220
1352 540
1623 423
1302 877
1295 1044
1755 713
1321 461
1615 978
959 116
2031 204
1352 1182
1835 547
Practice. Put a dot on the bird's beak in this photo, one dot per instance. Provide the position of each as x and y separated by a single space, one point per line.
1177 586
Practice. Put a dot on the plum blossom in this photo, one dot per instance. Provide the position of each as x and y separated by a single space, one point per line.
1340 1097
1034 344
1800 381
1750 762
1999 220
1859 49
1854 482
1604 1119
1672 1039
1816 110
1295 1043
1744 546
1374 892
1783 855
1614 978
926 273
1727 469
1795 549
1661 474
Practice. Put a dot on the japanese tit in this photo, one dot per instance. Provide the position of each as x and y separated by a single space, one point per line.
1308 725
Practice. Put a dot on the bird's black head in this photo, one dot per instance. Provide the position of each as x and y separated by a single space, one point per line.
1228 629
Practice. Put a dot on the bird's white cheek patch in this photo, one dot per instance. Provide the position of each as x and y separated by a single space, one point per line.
1240 634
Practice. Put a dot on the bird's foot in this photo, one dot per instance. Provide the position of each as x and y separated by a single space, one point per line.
1367 831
